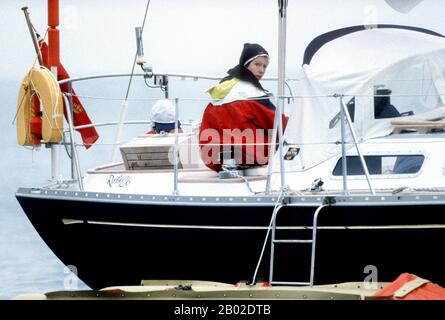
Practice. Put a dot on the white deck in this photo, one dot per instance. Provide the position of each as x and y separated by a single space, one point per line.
199 180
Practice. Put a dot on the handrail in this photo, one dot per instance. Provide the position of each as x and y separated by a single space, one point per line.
191 76
314 241
277 126
347 122
75 158
176 158
103 124
343 150
347 117
72 142
176 75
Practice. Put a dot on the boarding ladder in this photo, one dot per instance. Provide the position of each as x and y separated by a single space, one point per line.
312 242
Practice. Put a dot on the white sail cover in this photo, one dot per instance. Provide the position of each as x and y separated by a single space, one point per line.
410 63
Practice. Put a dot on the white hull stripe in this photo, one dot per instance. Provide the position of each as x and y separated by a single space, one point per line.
172 226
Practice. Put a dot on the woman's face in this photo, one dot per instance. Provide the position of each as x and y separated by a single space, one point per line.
258 67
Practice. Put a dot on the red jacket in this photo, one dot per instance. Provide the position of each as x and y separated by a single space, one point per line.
244 122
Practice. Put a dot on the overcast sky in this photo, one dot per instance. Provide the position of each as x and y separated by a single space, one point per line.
193 36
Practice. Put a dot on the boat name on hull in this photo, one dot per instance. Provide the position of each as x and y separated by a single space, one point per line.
120 181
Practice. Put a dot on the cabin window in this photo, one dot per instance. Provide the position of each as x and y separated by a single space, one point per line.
381 165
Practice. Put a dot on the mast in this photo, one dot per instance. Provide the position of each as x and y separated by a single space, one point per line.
53 35
53 64
281 80
278 130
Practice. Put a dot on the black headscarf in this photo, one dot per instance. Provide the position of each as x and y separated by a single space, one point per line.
249 53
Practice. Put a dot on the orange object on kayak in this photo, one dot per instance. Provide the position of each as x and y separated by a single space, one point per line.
411 287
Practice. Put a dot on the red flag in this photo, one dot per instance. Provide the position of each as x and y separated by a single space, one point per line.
80 116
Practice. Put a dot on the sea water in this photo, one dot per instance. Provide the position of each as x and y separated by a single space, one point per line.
27 265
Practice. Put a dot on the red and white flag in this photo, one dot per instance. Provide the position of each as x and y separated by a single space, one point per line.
80 116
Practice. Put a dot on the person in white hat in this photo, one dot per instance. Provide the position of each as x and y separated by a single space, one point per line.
162 116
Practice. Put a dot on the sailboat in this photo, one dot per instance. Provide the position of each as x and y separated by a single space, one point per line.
355 187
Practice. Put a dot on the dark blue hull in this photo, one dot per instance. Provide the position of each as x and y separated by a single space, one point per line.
123 242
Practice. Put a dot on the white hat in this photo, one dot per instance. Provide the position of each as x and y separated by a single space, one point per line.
163 111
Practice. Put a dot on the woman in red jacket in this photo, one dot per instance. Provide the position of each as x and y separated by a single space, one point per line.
240 120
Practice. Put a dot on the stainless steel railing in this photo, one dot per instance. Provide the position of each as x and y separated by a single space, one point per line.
75 165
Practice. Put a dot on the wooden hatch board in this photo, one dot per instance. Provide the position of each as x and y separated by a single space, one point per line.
147 158
421 126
